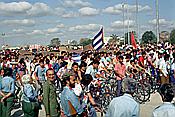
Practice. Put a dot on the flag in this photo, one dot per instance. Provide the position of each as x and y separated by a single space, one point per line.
76 58
97 42
133 42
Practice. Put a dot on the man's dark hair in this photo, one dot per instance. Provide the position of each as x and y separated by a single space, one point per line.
86 79
64 63
118 53
143 53
83 64
49 70
74 64
41 61
7 72
60 57
62 52
83 57
96 62
166 91
120 57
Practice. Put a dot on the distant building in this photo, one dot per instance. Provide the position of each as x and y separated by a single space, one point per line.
35 46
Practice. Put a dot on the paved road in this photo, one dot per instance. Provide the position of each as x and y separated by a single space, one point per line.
146 109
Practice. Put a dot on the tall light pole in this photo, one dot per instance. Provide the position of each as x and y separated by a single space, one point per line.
157 20
128 23
137 25
123 6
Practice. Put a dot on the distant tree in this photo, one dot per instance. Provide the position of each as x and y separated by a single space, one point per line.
148 37
85 41
172 36
55 42
114 39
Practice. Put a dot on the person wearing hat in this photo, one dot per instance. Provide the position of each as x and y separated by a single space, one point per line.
51 104
69 101
125 106
7 90
167 109
30 105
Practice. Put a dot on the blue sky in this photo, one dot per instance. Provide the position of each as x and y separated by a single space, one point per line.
38 21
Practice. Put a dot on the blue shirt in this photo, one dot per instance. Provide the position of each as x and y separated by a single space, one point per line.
29 93
7 85
123 106
40 72
68 95
167 109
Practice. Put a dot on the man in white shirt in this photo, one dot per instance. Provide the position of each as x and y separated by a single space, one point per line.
163 71
167 109
125 106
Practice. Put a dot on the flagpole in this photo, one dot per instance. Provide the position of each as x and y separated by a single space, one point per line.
137 28
123 6
128 24
157 20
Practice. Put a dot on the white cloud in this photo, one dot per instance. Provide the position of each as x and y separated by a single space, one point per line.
112 10
60 26
145 8
162 22
24 22
39 9
119 24
18 30
76 3
35 32
59 11
69 14
14 7
25 8
118 9
88 11
88 27
52 30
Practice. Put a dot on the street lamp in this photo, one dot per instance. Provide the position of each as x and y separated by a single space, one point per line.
137 24
123 6
157 20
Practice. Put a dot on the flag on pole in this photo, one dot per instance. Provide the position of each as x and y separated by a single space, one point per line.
97 42
133 42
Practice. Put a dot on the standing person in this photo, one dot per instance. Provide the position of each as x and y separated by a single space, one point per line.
120 70
167 109
69 101
163 70
51 104
30 105
125 106
7 90
1 76
40 76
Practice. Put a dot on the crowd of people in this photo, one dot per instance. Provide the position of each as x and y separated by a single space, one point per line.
62 83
